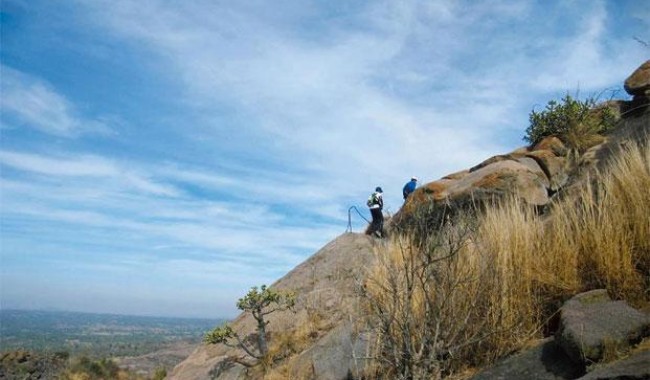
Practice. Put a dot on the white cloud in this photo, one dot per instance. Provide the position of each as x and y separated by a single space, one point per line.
83 166
284 80
97 193
336 104
588 61
34 104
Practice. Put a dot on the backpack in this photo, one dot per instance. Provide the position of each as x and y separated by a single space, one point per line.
371 200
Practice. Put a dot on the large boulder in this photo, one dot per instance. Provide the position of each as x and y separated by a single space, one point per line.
533 174
544 361
634 367
639 82
503 178
463 193
496 177
591 323
554 167
638 85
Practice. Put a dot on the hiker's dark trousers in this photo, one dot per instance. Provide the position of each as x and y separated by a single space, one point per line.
377 221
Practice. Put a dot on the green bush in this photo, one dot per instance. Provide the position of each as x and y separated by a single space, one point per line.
160 374
579 124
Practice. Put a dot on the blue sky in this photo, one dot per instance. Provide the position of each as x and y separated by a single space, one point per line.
162 157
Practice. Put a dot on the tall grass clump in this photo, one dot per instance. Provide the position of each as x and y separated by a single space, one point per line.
476 288
445 303
605 232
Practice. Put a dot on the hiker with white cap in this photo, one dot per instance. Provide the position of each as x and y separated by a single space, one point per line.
409 187
376 204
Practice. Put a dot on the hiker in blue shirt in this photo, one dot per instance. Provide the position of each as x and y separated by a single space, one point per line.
376 204
409 187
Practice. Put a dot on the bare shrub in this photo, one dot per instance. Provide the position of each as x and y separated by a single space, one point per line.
432 302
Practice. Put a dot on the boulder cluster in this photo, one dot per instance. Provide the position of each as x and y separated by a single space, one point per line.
594 333
534 173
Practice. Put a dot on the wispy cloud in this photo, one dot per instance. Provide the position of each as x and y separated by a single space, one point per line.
100 193
29 102
356 78
285 80
586 61
83 166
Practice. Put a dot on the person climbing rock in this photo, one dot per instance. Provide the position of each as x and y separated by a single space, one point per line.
376 205
409 187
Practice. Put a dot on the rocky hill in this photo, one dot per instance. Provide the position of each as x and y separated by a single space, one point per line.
323 326
329 334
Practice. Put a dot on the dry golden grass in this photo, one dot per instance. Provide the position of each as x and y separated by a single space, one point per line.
583 135
480 289
432 304
644 345
605 234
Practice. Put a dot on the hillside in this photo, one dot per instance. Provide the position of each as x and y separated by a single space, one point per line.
327 310
479 266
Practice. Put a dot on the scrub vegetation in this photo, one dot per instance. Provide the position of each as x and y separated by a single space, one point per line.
578 123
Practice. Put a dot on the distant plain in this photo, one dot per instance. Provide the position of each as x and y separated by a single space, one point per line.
96 335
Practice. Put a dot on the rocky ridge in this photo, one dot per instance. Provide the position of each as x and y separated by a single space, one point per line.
327 323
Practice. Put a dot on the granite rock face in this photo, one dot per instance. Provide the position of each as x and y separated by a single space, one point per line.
328 298
532 174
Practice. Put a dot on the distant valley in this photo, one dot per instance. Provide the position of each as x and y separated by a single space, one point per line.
137 342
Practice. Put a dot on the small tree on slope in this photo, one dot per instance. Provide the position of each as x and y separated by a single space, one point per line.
259 302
